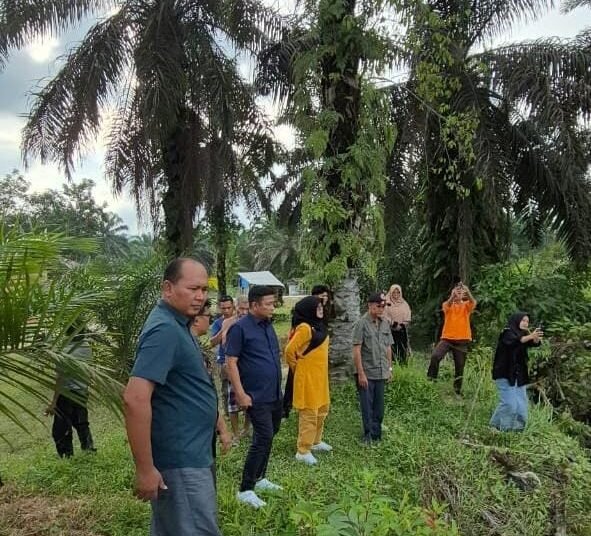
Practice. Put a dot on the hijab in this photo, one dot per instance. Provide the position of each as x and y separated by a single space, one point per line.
305 312
513 324
397 310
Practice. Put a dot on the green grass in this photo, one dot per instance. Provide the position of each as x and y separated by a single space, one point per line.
436 448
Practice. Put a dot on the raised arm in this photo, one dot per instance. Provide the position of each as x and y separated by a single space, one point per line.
216 334
469 296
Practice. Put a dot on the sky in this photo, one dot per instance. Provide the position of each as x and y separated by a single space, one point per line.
31 67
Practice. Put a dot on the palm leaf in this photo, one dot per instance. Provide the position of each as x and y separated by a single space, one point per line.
37 310
494 18
67 112
570 5
22 21
548 76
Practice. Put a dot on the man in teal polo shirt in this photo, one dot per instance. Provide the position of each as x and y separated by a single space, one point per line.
171 408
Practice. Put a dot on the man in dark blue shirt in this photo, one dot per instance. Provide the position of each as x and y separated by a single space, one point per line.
254 368
171 409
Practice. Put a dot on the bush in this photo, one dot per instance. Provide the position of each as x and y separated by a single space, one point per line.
545 285
563 372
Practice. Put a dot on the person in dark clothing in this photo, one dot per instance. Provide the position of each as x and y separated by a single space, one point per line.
399 315
322 292
254 368
510 372
69 404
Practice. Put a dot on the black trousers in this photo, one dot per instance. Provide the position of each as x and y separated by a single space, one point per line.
400 346
459 350
68 415
371 402
266 420
288 394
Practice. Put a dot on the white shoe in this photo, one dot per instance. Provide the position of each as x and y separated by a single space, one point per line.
250 497
266 485
321 447
306 458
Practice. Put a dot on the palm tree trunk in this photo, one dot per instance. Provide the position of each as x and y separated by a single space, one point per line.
220 238
346 313
179 200
178 240
342 94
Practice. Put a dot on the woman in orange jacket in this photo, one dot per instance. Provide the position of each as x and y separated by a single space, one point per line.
307 355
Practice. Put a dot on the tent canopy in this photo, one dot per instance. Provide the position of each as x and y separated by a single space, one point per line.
266 278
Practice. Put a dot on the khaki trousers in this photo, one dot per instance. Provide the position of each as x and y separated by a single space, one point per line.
311 426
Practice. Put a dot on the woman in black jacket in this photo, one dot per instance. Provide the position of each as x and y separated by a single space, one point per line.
510 372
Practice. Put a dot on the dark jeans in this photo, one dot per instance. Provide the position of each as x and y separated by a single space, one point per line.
400 346
288 394
266 420
70 414
459 350
371 401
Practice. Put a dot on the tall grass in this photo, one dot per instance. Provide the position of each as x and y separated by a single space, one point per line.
437 468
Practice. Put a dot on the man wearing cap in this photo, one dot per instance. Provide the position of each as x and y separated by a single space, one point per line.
372 357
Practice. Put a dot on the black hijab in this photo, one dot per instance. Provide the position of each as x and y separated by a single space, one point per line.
513 324
304 312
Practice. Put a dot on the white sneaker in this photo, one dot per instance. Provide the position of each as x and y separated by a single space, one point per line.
250 497
306 458
322 447
266 485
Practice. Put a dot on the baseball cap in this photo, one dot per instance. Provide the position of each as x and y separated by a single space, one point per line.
376 297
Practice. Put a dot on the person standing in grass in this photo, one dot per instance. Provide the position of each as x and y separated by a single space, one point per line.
69 405
171 410
230 405
398 314
372 358
199 328
456 334
322 292
254 368
226 308
510 372
307 356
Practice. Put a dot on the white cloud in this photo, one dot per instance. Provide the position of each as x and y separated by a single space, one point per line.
10 132
42 49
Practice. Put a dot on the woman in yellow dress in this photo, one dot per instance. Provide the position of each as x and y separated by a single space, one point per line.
307 355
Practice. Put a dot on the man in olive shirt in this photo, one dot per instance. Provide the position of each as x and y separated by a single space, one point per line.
171 410
372 357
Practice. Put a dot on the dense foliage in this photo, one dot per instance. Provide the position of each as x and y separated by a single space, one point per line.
40 312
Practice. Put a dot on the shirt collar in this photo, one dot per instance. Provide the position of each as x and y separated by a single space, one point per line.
179 317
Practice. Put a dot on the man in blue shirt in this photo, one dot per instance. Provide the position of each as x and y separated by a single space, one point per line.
226 307
254 368
170 410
